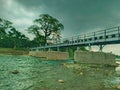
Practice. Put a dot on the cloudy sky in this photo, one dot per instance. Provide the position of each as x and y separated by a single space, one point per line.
77 16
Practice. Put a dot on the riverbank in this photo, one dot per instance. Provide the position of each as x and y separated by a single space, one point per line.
22 72
11 51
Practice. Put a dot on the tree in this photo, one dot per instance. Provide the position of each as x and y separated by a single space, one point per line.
10 37
47 24
5 26
34 29
17 37
56 37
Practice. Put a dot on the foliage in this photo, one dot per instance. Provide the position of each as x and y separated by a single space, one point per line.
34 29
10 37
71 50
5 26
46 24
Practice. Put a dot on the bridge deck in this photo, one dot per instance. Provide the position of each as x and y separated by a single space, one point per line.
103 37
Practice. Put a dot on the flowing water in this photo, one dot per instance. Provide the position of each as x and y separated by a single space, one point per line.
30 73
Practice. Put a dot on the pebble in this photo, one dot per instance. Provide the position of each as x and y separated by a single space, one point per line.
117 87
81 73
41 81
15 72
60 81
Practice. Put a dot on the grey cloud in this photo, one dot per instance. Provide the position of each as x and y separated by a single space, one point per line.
78 16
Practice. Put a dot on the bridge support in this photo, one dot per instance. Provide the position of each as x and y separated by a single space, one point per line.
94 58
43 49
58 49
89 47
101 48
37 49
49 49
67 49
78 48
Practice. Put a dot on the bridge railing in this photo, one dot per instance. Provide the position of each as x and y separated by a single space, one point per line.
102 35
110 34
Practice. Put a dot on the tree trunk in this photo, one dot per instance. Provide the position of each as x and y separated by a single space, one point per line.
45 40
14 45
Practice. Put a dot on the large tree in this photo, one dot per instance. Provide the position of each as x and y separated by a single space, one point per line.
18 38
10 37
34 29
5 26
48 25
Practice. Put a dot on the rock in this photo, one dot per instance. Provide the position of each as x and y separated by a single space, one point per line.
60 81
112 65
81 73
64 64
75 62
117 87
41 81
42 88
15 72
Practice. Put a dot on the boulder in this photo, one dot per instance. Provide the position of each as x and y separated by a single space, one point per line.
60 81
15 72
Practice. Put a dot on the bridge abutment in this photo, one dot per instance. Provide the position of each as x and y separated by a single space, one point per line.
94 57
50 55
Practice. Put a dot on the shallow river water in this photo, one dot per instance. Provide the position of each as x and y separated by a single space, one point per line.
29 73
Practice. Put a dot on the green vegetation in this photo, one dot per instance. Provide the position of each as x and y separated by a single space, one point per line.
71 50
10 37
46 24
44 28
11 51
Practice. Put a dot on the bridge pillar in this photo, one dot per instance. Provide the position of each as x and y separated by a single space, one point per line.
43 49
89 47
58 49
101 47
67 49
118 33
49 49
37 49
78 48
31 49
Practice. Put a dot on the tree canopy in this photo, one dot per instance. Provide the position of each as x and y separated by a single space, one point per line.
10 37
47 25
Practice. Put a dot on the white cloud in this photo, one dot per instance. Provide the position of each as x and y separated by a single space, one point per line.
21 17
112 48
115 49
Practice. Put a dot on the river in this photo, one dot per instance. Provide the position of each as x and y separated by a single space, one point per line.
19 72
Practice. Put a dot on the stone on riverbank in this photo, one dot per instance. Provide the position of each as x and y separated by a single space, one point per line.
15 72
60 81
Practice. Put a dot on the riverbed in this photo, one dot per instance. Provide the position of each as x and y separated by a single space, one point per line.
19 72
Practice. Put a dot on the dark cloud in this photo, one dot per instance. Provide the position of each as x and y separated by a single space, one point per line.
78 16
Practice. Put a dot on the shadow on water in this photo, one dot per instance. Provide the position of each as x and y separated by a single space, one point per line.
29 73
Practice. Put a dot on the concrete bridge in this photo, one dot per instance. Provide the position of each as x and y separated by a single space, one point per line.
99 38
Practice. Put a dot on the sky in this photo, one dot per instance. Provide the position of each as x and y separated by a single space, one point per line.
77 16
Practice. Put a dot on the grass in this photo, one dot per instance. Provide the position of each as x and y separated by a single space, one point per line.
12 51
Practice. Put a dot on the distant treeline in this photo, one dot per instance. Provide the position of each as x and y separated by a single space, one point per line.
10 37
117 56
